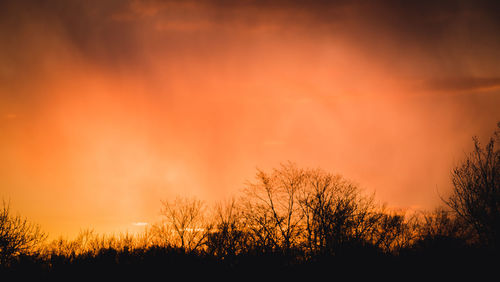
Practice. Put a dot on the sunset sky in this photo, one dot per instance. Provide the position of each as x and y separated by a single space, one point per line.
108 107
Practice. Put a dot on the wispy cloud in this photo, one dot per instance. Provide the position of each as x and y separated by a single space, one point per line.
458 84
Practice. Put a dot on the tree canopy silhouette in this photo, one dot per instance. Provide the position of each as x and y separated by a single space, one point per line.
17 235
286 218
476 194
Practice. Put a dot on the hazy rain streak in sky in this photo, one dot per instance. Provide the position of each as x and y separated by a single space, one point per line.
108 107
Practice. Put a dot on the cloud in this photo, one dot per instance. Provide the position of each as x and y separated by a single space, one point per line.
459 84
125 33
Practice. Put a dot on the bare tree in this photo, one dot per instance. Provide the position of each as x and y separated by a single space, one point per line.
476 194
272 210
17 235
327 205
441 223
312 209
185 219
395 230
336 214
441 228
229 237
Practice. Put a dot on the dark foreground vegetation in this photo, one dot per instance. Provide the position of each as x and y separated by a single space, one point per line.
289 222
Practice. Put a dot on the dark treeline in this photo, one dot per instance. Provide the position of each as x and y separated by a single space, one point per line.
288 220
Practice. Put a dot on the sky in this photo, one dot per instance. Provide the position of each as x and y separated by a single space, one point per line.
108 107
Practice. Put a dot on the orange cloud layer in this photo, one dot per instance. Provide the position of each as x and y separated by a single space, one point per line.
108 108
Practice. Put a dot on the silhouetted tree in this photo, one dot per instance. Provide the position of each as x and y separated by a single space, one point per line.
185 220
338 217
17 235
441 231
328 205
315 211
476 194
395 230
288 219
271 207
442 223
229 237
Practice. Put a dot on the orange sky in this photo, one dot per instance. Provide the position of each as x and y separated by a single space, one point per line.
106 108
